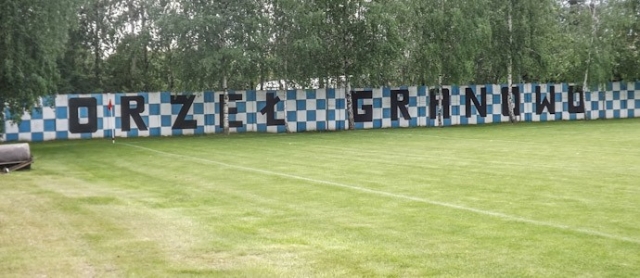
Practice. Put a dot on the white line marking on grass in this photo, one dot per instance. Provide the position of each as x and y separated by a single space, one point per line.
400 196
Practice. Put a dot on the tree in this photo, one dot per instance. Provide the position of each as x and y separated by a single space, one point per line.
32 37
129 68
520 48
588 44
208 38
347 39
93 38
449 35
623 19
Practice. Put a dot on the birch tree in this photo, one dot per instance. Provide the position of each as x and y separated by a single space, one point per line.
351 36
448 37
588 43
626 36
32 38
521 42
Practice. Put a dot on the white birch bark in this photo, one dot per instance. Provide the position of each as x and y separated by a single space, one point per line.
512 117
594 31
225 108
439 97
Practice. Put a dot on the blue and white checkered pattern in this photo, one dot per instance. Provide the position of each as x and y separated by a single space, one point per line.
159 115
309 110
50 121
620 100
381 103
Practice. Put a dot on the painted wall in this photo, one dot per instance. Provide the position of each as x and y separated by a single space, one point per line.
164 114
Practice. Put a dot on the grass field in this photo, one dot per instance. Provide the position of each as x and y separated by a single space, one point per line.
528 200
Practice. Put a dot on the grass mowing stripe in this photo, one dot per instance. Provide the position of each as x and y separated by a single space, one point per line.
536 143
384 157
458 158
399 196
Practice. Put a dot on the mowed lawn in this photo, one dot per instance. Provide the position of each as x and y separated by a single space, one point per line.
527 200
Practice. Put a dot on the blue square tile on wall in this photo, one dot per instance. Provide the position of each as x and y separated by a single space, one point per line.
11 137
62 113
311 115
241 106
37 136
321 104
310 94
62 135
331 115
251 96
497 118
291 94
291 116
301 127
528 117
198 108
25 126
49 125
199 130
301 104
154 109
155 131
331 93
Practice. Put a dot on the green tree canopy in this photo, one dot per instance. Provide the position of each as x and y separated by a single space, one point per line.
33 34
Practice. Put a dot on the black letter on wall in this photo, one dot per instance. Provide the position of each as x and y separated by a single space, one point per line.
232 110
186 102
549 103
270 110
573 108
446 103
516 101
368 109
127 113
481 105
399 104
74 120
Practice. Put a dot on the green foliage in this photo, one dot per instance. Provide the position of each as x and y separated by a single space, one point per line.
449 36
589 53
32 36
623 20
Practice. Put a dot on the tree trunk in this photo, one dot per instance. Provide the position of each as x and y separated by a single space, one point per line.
146 84
262 78
286 121
347 90
2 121
594 30
225 108
439 97
512 117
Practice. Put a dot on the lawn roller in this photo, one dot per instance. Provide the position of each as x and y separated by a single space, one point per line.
15 157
